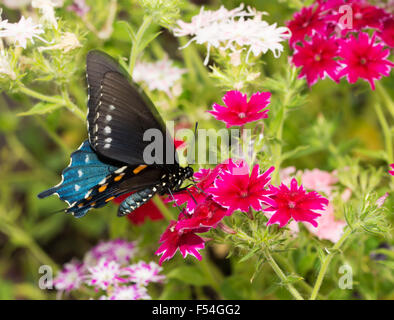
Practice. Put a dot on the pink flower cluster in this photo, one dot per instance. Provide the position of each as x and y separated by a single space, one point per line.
221 191
108 269
329 38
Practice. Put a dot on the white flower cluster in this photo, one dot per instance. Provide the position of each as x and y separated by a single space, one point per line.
160 75
21 31
5 65
234 30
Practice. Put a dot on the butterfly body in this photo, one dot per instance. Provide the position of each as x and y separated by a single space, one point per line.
112 161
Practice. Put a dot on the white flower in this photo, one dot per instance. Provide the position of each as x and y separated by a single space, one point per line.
160 75
47 9
5 65
234 30
68 42
16 4
143 273
70 278
105 274
21 31
132 292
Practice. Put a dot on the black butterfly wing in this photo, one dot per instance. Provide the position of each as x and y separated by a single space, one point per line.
124 180
120 114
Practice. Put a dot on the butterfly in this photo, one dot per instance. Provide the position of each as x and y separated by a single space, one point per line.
112 161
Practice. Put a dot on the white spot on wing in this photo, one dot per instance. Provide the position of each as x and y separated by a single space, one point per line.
107 130
77 187
80 173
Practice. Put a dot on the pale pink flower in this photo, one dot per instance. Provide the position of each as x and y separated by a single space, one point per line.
160 75
132 292
70 277
105 274
118 250
318 180
21 31
328 227
143 273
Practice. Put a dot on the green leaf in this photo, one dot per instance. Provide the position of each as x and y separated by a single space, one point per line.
188 274
129 29
41 108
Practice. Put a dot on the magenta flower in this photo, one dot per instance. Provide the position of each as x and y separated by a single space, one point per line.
185 240
363 58
239 111
316 57
196 194
235 189
364 16
306 23
386 33
207 214
143 273
294 202
71 277
392 171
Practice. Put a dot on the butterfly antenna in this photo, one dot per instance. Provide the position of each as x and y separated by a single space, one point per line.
173 199
190 194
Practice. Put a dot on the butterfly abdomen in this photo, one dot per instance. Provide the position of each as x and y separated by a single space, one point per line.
136 200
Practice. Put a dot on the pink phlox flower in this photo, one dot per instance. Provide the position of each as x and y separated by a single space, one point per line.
236 190
319 180
105 274
207 214
238 111
131 292
286 203
328 228
392 171
306 23
363 58
187 241
316 57
70 277
143 273
118 250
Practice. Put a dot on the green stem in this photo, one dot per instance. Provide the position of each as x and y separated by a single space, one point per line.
135 48
289 269
41 96
386 132
385 98
163 208
282 276
277 148
72 107
326 262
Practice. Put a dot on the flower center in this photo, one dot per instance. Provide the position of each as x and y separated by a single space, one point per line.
363 61
292 204
242 115
317 57
244 194
358 15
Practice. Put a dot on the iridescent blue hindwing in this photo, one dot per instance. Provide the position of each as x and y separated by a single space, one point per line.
83 173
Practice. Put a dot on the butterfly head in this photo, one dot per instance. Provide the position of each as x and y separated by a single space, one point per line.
188 172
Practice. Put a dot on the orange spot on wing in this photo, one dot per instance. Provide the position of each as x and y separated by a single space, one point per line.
117 178
139 168
102 188
109 199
